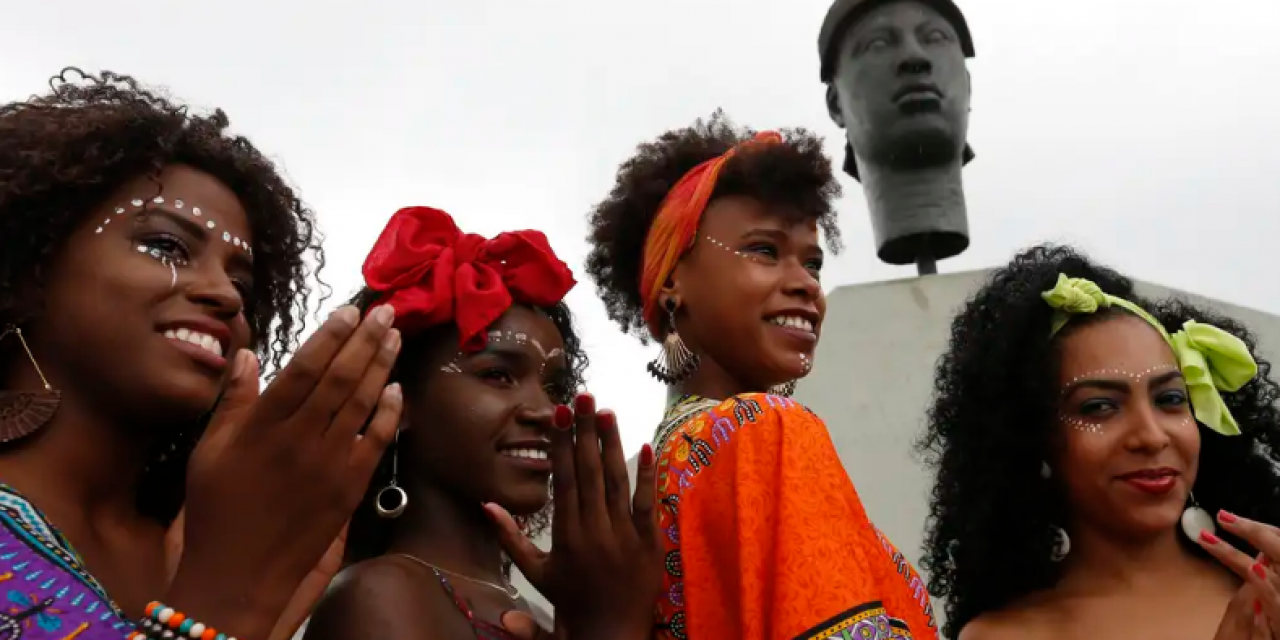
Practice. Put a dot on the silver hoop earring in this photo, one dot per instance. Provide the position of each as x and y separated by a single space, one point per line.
1196 521
676 362
1061 545
391 500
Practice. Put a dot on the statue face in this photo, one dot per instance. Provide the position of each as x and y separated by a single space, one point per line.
900 88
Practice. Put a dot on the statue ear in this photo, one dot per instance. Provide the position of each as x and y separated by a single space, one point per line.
833 106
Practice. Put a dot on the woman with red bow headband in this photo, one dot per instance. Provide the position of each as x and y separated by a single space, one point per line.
709 244
489 362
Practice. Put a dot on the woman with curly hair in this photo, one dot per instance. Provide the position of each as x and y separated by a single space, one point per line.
489 364
143 254
709 243
1082 435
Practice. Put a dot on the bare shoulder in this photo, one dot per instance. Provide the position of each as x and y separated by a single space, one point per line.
1014 623
382 598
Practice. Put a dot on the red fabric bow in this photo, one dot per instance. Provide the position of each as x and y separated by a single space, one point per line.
431 272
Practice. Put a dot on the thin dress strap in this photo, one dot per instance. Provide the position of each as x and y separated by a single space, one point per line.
482 630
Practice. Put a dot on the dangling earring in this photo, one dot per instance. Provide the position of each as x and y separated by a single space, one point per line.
1045 471
1061 545
22 413
676 362
392 493
787 388
1196 520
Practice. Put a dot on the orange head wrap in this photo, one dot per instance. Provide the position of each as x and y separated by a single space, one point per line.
674 228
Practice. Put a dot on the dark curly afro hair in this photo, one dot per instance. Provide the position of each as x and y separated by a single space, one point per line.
990 427
370 534
795 176
64 152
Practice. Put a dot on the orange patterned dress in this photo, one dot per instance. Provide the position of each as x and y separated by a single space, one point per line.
764 535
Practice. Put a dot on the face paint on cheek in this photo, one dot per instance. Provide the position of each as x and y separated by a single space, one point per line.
721 245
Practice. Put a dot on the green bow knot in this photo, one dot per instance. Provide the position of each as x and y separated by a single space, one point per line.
1075 295
1212 361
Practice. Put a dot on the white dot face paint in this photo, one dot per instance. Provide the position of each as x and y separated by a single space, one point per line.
138 205
511 337
1138 378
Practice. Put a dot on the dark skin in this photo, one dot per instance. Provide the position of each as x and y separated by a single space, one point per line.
240 555
106 305
725 298
459 433
893 46
1124 407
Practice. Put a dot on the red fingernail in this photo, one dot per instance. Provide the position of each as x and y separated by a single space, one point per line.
1227 517
606 420
1259 571
584 403
646 455
1208 538
563 418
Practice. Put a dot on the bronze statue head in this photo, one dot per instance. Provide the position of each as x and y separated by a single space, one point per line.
896 82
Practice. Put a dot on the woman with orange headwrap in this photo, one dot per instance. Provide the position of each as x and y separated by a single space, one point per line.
709 243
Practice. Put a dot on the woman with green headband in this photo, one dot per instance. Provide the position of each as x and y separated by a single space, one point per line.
1082 438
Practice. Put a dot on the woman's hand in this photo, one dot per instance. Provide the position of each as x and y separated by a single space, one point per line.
1262 584
275 478
604 571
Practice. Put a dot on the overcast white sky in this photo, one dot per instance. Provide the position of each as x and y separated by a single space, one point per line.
1145 131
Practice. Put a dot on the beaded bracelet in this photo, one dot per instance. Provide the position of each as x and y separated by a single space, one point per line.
167 623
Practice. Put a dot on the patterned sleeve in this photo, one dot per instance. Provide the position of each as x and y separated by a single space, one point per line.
766 537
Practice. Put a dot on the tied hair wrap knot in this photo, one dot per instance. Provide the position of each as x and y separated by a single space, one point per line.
1211 360
431 273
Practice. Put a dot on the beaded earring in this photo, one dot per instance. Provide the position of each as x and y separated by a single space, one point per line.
786 389
22 413
676 362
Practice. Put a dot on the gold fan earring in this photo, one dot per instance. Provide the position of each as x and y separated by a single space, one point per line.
22 413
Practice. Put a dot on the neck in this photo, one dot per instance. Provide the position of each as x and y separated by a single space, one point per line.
1101 562
81 466
711 380
920 201
452 534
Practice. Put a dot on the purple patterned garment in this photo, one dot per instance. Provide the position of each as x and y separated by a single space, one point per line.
45 593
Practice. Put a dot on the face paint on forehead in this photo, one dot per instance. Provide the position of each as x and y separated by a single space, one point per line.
1135 376
138 205
516 337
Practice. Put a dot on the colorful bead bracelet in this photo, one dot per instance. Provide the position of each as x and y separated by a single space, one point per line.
167 623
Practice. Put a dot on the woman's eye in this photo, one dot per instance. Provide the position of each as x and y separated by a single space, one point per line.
1096 407
936 35
766 250
167 246
1171 399
501 376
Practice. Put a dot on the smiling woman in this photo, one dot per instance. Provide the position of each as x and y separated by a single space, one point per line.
1083 437
709 243
140 247
489 353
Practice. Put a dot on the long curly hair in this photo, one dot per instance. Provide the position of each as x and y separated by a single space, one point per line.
66 151
991 423
796 176
369 534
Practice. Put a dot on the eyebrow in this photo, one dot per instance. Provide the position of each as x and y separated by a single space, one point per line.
195 229
781 237
1119 385
509 352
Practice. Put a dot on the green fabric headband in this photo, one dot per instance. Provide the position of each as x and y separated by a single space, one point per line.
1211 360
